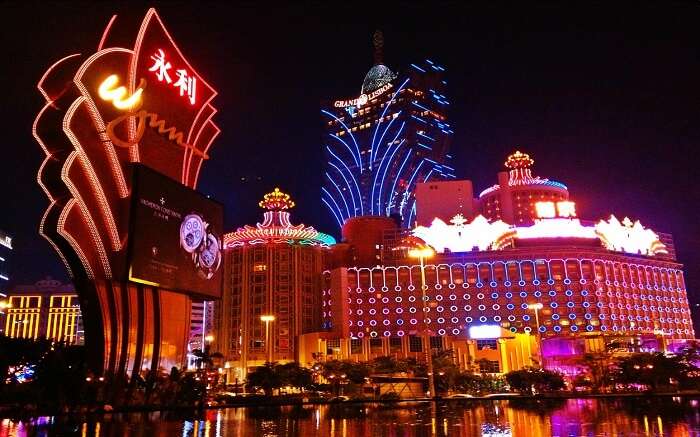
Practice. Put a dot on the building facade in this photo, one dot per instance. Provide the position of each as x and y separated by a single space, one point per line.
381 144
47 309
272 289
504 295
5 252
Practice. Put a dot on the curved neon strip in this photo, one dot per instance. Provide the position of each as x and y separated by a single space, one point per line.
340 223
429 173
352 175
371 159
376 129
349 149
403 124
359 156
381 163
412 212
340 211
352 194
396 179
386 168
347 208
410 182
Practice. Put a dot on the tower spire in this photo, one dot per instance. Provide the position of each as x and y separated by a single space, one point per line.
378 40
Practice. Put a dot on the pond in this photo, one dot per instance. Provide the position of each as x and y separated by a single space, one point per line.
651 416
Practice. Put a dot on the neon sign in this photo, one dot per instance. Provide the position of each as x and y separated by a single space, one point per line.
462 237
185 83
363 99
563 208
481 235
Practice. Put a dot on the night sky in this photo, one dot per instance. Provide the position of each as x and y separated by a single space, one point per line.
605 98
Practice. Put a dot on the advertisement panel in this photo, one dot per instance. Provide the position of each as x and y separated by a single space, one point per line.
175 236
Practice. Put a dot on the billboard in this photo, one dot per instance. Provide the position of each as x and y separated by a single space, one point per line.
175 236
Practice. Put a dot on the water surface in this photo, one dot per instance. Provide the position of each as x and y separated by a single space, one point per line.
497 418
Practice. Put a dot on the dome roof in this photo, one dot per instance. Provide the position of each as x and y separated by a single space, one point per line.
377 76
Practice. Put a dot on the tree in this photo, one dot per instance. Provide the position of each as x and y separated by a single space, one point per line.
531 380
293 375
598 373
654 370
265 377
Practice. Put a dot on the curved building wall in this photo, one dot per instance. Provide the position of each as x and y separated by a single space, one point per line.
581 291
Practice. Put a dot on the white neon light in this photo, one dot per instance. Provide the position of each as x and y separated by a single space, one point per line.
483 332
545 209
363 99
462 237
556 228
629 237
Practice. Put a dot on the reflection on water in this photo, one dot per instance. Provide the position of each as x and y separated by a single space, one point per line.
572 417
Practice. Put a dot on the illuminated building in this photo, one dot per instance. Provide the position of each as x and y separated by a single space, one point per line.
513 198
382 143
201 325
125 131
5 252
272 288
497 290
47 309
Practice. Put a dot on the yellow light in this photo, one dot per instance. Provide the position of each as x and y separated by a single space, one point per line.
545 209
209 338
107 91
422 252
566 208
267 318
535 306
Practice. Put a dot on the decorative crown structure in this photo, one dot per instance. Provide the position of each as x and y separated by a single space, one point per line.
276 201
519 160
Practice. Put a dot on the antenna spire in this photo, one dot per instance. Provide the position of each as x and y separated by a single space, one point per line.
378 40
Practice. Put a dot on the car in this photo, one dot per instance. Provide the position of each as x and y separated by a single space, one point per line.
502 395
459 396
339 399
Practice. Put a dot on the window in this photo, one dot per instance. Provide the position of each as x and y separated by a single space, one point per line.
332 346
488 366
415 344
490 344
356 346
436 343
395 344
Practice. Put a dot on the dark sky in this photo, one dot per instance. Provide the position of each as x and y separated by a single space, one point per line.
605 97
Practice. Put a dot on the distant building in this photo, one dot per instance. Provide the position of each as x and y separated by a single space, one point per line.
272 289
382 143
5 252
47 309
201 325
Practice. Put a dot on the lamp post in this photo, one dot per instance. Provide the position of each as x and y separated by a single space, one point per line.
267 318
536 307
422 253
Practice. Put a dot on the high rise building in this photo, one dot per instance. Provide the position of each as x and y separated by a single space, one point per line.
5 252
272 289
380 144
47 309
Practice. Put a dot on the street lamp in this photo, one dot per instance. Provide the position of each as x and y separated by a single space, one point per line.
267 318
537 307
423 252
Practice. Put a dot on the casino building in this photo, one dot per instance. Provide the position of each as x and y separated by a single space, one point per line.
5 251
47 309
520 280
272 289
382 143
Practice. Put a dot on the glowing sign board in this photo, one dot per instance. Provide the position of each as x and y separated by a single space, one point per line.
363 99
484 332
563 208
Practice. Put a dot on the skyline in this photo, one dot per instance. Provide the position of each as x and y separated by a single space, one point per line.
552 116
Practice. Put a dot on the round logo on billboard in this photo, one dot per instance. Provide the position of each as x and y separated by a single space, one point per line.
191 232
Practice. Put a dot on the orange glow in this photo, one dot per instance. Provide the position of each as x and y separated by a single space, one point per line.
109 91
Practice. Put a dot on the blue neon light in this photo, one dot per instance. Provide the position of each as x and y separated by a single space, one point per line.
376 129
352 175
340 222
417 68
340 212
359 156
352 194
341 194
386 168
396 179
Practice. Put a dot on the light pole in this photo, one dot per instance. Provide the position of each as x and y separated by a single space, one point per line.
267 319
537 307
422 253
